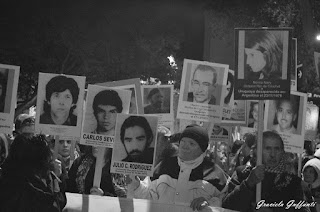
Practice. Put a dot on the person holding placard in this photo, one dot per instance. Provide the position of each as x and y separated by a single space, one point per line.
106 104
61 99
279 185
24 124
81 175
203 85
189 178
28 182
285 120
136 136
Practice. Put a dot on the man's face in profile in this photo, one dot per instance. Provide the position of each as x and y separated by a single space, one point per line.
135 141
202 86
106 117
156 100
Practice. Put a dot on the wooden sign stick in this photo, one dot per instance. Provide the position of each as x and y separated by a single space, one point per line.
259 145
98 167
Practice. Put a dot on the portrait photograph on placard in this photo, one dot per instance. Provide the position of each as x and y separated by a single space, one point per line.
135 144
158 100
317 62
263 61
135 87
287 117
59 104
9 76
253 114
312 120
202 90
229 98
238 114
102 106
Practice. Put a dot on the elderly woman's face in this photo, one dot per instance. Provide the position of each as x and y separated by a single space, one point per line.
255 59
189 149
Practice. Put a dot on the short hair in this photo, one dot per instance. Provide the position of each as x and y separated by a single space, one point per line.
207 68
273 135
231 80
153 92
107 97
294 106
139 121
250 139
271 46
60 84
28 156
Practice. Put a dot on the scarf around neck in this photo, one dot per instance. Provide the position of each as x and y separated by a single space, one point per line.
191 164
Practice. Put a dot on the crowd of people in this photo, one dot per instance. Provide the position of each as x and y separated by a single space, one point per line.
186 172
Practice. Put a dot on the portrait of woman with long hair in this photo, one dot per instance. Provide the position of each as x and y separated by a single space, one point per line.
263 51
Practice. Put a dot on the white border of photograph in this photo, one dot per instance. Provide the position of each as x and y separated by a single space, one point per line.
317 62
292 142
119 152
127 84
239 110
61 130
90 123
198 111
165 119
7 116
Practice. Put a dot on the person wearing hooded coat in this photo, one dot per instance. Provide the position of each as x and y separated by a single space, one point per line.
311 176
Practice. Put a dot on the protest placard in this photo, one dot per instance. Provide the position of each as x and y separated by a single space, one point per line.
158 100
201 93
238 114
312 120
263 62
59 104
102 106
9 76
134 86
229 97
287 117
135 145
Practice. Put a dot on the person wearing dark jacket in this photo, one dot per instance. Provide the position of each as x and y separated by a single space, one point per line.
278 184
28 182
81 175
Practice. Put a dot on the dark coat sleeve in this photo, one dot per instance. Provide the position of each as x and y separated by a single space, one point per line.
72 174
239 199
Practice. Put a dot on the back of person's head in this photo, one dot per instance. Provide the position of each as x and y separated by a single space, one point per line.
23 120
107 97
139 121
28 156
236 146
250 139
